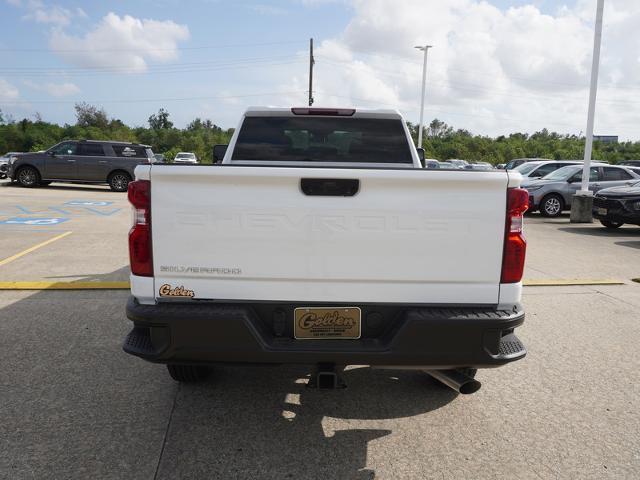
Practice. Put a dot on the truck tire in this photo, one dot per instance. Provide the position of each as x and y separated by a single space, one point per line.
611 224
551 205
28 177
188 373
119 181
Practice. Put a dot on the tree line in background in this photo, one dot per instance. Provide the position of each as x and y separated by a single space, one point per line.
441 141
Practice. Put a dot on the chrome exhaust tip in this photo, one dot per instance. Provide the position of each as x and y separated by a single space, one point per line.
456 380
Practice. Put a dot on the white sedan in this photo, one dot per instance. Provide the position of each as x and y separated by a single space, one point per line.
185 157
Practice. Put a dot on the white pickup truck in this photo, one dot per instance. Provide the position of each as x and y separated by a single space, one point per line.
319 239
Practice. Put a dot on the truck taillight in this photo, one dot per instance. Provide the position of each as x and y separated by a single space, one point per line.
515 245
140 254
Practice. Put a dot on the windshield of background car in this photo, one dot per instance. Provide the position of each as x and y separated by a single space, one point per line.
525 168
563 173
322 139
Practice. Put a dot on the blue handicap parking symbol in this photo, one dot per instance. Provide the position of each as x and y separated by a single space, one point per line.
34 221
88 203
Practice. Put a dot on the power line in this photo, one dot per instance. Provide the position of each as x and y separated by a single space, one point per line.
484 73
471 87
447 112
204 67
149 65
150 100
202 47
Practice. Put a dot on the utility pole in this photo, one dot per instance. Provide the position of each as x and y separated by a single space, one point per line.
311 63
424 49
582 202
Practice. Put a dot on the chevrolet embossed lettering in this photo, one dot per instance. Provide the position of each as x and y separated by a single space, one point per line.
327 323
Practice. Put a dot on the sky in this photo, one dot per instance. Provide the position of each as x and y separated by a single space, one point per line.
496 66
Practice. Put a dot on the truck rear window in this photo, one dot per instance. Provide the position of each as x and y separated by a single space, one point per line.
322 139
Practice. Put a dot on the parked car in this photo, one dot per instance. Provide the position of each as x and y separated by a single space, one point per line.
185 157
431 163
479 166
618 205
553 193
511 164
500 166
296 276
532 171
158 158
5 162
84 161
447 166
457 163
630 163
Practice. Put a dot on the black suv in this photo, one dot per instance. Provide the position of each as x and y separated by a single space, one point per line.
616 206
84 161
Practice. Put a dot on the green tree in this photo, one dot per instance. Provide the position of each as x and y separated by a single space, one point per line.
90 116
160 121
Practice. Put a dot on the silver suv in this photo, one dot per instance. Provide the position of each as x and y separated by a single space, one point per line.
532 171
553 193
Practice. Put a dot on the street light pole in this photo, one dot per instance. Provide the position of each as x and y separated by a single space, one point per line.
582 203
424 49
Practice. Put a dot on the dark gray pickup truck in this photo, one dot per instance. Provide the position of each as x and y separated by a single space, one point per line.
84 161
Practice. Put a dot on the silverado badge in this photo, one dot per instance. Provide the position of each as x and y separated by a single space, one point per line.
167 291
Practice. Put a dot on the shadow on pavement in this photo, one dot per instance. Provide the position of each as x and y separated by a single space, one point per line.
78 187
629 244
122 274
74 405
601 231
263 422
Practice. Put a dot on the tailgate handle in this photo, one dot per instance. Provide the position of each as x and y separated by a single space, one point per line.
330 187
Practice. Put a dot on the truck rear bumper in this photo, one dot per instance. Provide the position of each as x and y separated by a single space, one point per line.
430 337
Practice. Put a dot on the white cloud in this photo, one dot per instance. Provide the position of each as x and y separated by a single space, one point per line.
54 89
7 91
491 70
40 12
124 42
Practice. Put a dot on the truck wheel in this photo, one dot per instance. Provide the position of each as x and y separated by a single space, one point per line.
119 181
28 177
188 373
611 224
552 205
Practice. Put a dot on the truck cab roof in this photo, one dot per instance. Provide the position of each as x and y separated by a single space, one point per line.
257 111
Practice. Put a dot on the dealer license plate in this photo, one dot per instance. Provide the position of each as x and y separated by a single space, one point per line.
327 322
602 211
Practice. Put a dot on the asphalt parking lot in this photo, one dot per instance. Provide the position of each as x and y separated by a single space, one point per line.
73 405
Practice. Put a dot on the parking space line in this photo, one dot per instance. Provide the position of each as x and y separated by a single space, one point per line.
64 285
31 249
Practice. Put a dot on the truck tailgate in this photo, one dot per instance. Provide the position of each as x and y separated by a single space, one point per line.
250 233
